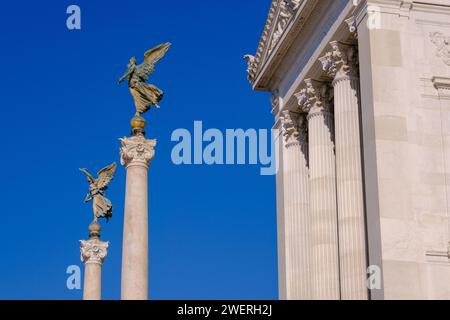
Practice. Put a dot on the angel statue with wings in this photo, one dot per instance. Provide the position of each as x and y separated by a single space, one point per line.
145 95
101 205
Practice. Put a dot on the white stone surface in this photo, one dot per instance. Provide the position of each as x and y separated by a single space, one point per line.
136 154
93 253
410 121
315 100
341 65
404 62
297 219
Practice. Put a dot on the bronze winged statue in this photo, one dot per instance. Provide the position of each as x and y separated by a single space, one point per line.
101 205
145 95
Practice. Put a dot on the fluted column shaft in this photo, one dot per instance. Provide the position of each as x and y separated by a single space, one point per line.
325 257
296 208
323 206
351 213
352 238
136 153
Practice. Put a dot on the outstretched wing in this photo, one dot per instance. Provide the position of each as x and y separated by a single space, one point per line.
106 175
89 176
152 56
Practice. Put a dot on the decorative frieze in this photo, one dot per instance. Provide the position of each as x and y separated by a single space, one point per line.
292 5
263 42
288 8
280 15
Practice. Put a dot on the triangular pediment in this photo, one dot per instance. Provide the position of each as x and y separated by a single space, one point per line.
281 14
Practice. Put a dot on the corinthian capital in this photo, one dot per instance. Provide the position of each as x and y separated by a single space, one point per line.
295 127
342 61
93 251
137 151
316 95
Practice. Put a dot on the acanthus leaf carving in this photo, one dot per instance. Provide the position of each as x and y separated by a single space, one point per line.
137 150
342 61
93 251
316 95
294 126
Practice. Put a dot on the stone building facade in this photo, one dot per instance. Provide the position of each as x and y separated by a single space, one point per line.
361 95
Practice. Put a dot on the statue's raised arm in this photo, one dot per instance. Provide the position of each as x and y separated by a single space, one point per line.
145 95
127 74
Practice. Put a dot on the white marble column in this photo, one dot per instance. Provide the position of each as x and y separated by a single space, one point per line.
316 101
93 253
297 224
341 65
136 153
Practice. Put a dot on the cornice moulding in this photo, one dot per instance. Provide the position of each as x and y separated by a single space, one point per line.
441 82
268 53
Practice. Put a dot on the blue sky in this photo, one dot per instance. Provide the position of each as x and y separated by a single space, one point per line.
212 228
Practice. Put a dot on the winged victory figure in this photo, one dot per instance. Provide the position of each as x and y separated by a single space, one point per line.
145 95
102 206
